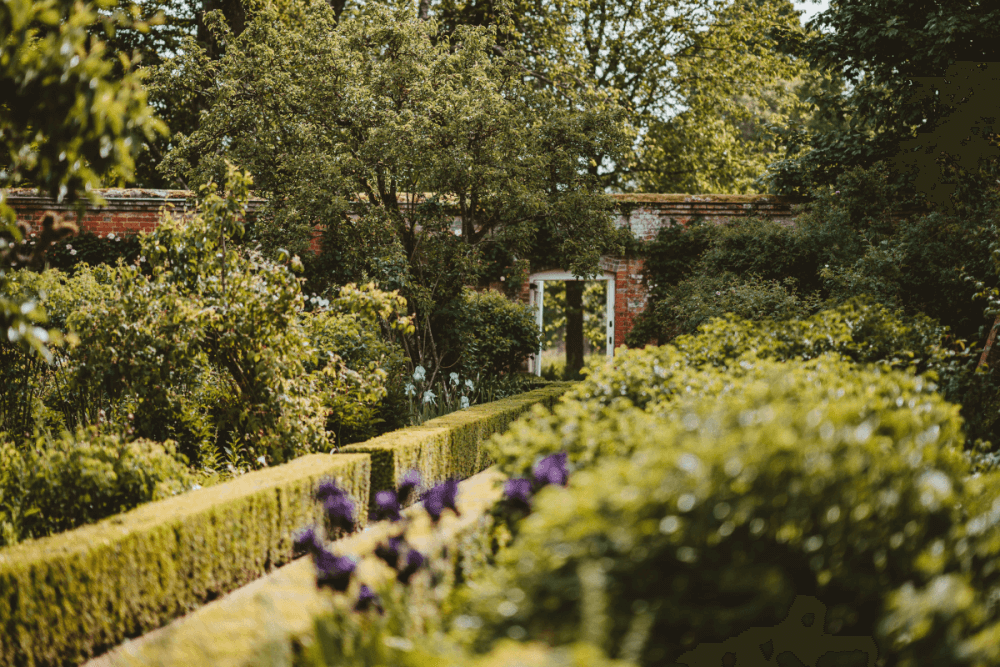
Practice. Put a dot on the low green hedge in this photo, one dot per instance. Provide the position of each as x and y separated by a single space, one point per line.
448 446
273 621
67 597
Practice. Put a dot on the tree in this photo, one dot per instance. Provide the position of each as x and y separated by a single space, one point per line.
368 116
684 68
64 120
882 48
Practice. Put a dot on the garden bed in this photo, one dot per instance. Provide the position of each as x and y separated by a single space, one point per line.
70 596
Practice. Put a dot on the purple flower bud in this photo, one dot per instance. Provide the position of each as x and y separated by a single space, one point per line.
333 571
390 552
328 489
517 493
414 561
410 481
307 541
440 498
340 511
368 599
386 506
552 470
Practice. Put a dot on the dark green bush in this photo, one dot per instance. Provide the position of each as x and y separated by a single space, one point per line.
93 249
851 240
708 515
496 334
52 484
695 300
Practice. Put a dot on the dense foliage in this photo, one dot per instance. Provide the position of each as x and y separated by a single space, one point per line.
53 483
66 121
853 240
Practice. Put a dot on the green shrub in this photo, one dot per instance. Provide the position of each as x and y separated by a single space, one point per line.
366 395
496 334
767 248
212 349
860 329
707 515
93 249
57 483
695 300
851 240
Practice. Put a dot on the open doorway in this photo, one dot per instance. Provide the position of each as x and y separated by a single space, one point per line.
576 319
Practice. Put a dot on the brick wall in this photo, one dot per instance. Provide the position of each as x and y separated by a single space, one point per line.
128 211
133 210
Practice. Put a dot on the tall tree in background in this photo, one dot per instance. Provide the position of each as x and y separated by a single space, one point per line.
685 69
367 115
880 47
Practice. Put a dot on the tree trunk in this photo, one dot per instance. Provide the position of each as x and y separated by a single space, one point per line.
574 327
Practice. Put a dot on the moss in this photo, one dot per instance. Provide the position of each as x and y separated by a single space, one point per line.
69 596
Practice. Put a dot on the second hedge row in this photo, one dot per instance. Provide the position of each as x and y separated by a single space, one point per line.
66 598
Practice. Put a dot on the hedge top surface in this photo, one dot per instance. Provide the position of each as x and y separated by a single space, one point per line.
456 419
247 626
177 508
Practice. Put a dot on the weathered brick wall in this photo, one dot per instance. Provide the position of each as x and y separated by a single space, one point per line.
127 211
130 211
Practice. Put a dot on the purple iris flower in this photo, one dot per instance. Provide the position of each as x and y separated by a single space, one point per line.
386 506
390 552
368 599
333 571
410 481
440 498
414 561
552 470
340 511
517 493
307 541
328 489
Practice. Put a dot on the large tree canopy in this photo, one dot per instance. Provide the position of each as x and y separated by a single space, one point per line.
701 79
414 151
882 47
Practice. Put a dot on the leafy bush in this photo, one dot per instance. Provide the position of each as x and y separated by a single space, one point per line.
57 483
366 394
93 249
693 301
851 240
32 393
709 512
497 334
212 350
861 329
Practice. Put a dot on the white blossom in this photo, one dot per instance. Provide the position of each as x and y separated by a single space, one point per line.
454 378
419 374
429 396
410 389
465 402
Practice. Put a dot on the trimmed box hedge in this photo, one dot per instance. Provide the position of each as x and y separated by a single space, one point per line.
71 596
67 597
270 620
449 446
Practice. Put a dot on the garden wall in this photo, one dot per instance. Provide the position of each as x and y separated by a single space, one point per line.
130 211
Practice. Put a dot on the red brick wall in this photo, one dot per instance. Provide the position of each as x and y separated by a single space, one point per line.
133 210
128 211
